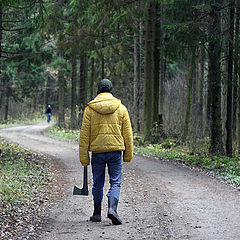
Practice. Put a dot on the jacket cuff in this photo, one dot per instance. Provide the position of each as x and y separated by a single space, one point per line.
127 157
84 164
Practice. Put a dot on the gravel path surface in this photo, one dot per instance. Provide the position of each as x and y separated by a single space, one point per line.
159 199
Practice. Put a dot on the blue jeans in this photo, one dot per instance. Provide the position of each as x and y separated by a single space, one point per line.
114 163
48 117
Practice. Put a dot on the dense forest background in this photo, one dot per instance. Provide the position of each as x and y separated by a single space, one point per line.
174 64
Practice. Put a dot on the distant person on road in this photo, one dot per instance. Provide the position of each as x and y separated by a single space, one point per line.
106 132
48 113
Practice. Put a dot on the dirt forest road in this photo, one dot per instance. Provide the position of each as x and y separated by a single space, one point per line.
159 199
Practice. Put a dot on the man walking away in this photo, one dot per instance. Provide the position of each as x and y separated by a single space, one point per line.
48 113
106 132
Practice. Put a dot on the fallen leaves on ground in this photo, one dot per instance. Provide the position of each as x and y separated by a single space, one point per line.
25 185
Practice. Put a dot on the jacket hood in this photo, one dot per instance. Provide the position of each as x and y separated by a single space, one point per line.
105 103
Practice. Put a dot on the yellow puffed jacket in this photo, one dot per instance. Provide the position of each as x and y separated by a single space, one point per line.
106 127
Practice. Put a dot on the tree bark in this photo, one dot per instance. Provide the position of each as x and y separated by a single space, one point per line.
86 80
73 122
61 99
61 84
82 86
201 82
189 93
103 63
6 108
82 81
148 77
194 86
156 63
141 84
47 91
7 95
1 13
93 76
162 72
214 51
236 71
136 79
209 99
1 88
229 83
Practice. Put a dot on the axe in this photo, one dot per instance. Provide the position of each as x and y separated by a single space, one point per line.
84 190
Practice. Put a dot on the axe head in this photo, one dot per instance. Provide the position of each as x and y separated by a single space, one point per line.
84 190
79 191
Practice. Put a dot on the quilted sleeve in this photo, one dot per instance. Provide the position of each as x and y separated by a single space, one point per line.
84 140
127 136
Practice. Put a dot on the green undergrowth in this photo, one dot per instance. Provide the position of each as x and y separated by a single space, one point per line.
223 166
36 117
23 181
61 133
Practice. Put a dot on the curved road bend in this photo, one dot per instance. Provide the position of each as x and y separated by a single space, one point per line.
159 200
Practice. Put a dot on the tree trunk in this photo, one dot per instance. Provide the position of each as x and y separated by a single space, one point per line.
1 13
61 84
6 107
148 77
103 63
86 87
61 90
156 63
194 86
1 87
189 93
7 94
136 79
73 122
93 76
162 73
82 87
47 91
141 84
1 95
82 82
209 99
214 51
229 83
201 83
236 71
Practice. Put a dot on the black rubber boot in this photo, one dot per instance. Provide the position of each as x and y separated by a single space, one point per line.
112 211
96 217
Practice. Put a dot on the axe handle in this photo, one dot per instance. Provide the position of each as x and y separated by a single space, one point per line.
85 178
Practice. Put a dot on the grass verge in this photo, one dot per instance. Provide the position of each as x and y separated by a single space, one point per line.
23 189
222 166
61 133
36 117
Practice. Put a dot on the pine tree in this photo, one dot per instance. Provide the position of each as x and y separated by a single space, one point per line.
230 79
214 50
148 70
